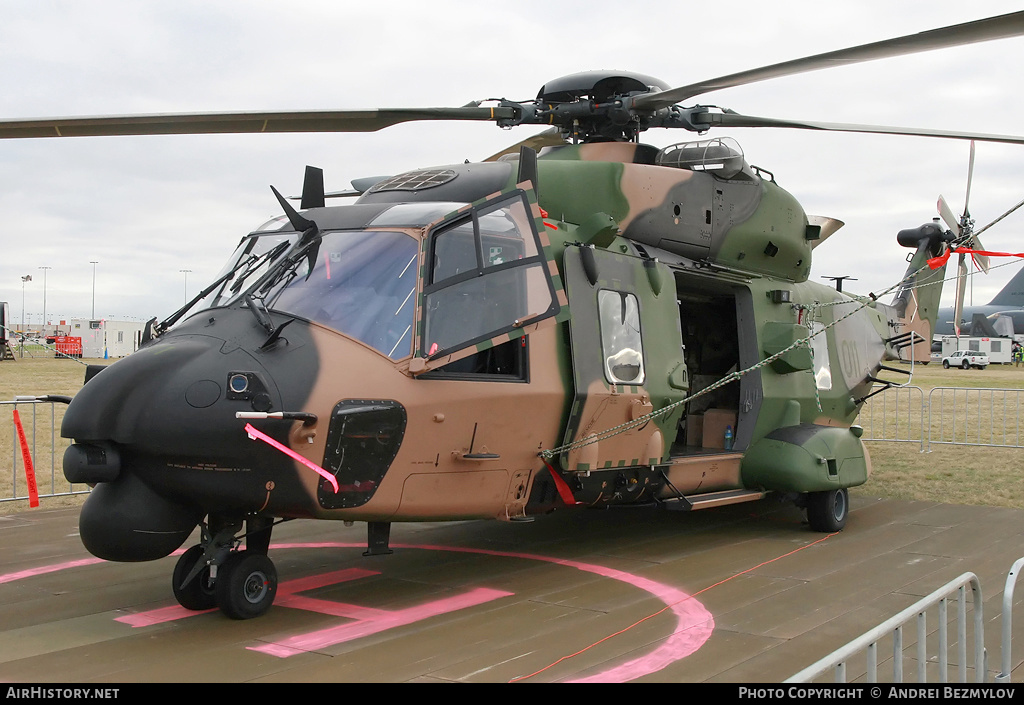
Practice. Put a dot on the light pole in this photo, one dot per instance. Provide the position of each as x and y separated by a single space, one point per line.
26 278
44 297
93 263
185 272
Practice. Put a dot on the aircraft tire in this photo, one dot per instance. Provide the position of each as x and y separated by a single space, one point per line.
246 585
827 511
199 594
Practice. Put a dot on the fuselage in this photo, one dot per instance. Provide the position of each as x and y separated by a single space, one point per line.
460 345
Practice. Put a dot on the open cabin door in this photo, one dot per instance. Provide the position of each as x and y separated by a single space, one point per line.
626 359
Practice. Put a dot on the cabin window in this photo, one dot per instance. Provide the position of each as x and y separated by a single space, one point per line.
487 277
621 343
819 348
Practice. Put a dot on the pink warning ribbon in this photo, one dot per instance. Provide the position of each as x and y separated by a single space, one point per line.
254 434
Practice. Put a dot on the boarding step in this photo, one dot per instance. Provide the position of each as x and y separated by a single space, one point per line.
712 499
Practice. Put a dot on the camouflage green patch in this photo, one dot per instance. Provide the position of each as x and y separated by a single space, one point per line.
620 464
607 464
634 462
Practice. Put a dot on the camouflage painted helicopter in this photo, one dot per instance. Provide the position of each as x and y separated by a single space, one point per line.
603 323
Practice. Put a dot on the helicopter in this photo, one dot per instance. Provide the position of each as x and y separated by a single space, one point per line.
581 320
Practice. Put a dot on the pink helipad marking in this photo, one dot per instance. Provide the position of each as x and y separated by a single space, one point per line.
693 627
286 597
694 624
43 570
366 626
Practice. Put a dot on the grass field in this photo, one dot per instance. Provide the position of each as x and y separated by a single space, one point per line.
951 474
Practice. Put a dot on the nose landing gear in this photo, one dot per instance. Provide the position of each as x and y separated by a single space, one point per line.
214 573
246 585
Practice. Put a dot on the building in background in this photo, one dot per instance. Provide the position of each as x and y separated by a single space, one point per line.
105 338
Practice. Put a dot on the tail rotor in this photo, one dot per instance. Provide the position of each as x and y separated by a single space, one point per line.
965 237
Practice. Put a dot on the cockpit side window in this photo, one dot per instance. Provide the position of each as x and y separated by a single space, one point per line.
487 276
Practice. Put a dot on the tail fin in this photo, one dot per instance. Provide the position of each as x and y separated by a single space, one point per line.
916 302
1011 295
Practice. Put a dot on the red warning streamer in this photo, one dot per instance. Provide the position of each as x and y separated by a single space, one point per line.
560 484
936 262
30 473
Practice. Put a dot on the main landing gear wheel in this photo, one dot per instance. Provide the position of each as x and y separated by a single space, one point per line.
827 511
199 593
246 585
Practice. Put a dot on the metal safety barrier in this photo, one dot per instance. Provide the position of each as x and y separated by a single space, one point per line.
867 643
37 450
897 414
948 416
1006 663
977 417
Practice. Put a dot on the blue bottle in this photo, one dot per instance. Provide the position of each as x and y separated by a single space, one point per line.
728 437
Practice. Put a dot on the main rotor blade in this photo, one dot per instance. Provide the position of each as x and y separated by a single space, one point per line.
731 119
1001 27
239 123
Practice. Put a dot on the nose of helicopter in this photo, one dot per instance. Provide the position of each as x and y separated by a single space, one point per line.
175 388
156 433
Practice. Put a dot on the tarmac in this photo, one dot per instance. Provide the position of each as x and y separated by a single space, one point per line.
740 594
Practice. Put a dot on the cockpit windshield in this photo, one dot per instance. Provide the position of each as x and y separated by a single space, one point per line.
250 261
362 283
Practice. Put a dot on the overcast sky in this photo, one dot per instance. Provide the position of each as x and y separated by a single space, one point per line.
145 208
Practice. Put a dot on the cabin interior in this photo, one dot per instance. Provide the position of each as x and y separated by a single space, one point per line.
710 339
